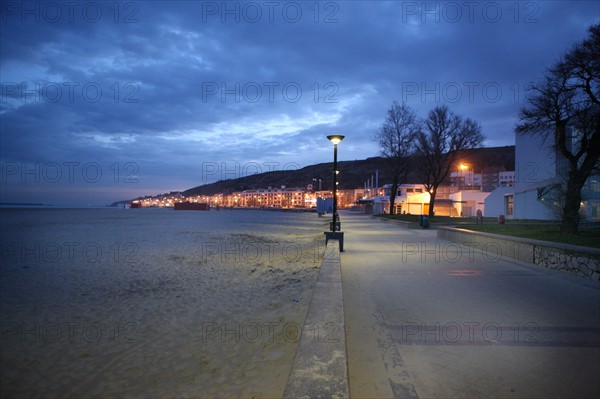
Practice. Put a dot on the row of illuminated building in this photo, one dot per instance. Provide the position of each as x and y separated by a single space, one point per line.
281 197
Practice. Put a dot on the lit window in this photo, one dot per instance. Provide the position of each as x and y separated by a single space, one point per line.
509 204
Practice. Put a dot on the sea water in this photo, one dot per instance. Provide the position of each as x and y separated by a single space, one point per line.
153 302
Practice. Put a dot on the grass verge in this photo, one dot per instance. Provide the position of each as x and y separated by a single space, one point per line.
590 237
462 220
546 230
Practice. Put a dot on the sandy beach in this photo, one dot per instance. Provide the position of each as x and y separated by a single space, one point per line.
153 302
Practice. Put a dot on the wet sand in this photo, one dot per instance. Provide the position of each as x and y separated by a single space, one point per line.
153 302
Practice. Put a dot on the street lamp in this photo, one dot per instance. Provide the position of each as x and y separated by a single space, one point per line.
335 139
463 167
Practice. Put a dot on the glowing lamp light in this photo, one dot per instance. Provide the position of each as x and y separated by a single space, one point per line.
335 139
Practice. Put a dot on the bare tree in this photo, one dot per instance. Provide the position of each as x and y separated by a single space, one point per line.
444 137
396 139
567 104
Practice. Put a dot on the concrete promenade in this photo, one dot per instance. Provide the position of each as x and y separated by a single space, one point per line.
320 365
429 318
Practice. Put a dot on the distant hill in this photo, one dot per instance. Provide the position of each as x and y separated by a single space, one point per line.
353 174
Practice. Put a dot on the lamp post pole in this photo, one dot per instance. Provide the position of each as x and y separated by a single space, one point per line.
333 234
334 184
335 139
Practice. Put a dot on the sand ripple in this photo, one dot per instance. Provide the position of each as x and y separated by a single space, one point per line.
206 305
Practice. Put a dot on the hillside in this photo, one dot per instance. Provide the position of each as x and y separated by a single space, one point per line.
353 174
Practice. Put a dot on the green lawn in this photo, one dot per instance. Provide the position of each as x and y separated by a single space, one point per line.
535 229
456 220
590 237
406 218
436 219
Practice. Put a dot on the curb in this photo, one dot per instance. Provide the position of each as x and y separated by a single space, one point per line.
578 260
320 368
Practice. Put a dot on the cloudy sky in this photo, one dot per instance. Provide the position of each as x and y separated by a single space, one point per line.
104 101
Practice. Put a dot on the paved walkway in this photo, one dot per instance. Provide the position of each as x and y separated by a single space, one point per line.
428 318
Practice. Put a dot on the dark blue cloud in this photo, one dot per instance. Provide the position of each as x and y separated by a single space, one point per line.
171 87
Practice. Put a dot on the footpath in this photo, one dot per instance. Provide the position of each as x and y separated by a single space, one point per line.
425 317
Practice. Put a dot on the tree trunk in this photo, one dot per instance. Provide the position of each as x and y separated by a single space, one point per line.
432 201
570 216
393 194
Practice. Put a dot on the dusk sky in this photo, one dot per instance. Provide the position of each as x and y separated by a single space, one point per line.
106 101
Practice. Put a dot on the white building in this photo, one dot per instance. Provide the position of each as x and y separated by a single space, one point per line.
414 199
485 181
467 203
465 177
506 178
539 174
381 204
410 198
496 203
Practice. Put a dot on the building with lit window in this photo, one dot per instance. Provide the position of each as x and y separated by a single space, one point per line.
271 197
540 177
